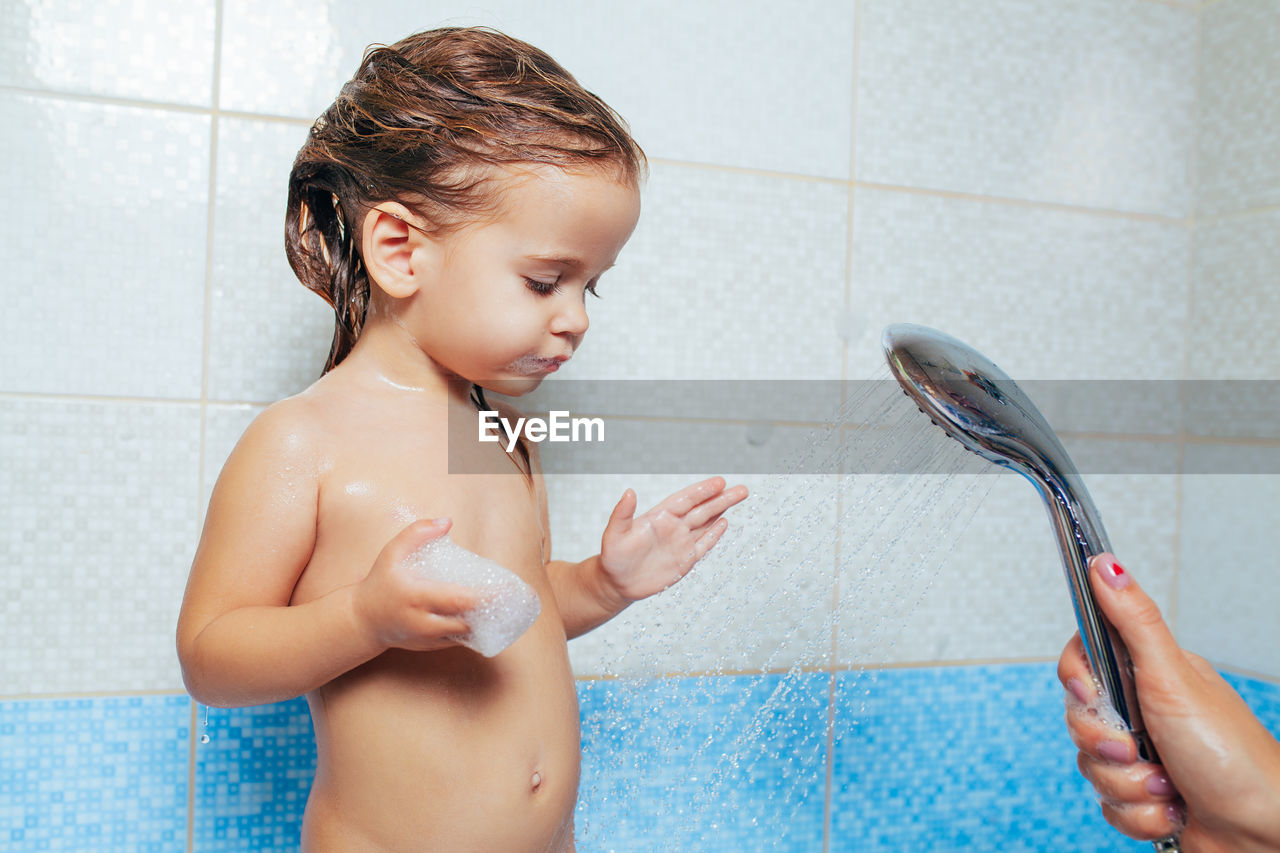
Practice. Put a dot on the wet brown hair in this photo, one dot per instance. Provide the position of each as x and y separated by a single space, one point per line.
427 122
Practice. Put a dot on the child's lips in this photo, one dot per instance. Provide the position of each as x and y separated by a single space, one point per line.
538 364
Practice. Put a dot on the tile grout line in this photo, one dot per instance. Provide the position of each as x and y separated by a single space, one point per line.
1193 178
693 164
215 98
850 216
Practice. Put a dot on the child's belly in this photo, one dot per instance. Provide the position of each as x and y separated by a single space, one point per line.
449 751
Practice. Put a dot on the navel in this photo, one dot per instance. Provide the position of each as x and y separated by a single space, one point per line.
535 782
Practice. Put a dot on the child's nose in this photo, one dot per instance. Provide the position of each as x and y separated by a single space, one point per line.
571 319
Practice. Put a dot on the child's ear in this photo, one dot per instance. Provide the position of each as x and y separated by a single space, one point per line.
395 253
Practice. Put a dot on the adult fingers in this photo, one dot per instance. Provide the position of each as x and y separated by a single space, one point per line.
1138 783
1074 672
1135 616
1145 822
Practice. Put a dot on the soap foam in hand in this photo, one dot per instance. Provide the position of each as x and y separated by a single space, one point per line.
508 605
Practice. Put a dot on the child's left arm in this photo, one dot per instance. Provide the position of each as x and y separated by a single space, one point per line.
641 555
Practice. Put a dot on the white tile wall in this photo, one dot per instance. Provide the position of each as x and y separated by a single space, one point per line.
1085 103
1230 561
970 569
103 253
147 49
733 274
1239 130
728 276
1235 301
98 508
268 335
1046 294
752 84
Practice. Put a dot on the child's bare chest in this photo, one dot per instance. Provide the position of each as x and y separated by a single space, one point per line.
372 493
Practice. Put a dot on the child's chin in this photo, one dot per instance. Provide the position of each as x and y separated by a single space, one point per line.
513 387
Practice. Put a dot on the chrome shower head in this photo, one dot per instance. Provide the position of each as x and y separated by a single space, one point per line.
976 403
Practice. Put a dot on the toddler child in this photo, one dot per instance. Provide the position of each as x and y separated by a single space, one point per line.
454 205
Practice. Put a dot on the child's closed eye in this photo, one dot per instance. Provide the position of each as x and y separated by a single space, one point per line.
546 288
542 288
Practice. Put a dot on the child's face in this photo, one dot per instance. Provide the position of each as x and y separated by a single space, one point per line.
507 303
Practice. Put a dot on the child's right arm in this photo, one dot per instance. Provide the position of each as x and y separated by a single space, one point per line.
240 642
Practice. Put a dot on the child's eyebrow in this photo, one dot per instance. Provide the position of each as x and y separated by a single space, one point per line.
563 260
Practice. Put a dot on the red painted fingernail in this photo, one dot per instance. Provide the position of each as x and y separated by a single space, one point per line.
1112 572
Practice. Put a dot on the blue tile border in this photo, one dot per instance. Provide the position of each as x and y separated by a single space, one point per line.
95 774
938 759
960 758
253 777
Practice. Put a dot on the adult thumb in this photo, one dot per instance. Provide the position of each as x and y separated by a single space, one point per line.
1135 617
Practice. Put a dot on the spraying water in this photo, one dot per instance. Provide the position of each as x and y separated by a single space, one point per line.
818 578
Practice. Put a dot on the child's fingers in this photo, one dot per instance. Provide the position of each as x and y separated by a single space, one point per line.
624 510
444 599
414 536
707 540
687 498
710 511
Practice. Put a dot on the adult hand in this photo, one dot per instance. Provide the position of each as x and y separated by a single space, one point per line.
1219 777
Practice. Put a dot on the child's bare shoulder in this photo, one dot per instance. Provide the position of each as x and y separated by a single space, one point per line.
291 438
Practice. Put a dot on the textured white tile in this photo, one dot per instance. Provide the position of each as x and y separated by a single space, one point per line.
728 276
223 426
1239 127
98 505
1087 103
104 248
1227 591
936 570
760 600
1045 294
1235 304
268 335
754 84
150 49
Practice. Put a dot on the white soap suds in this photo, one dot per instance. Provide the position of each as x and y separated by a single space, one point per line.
508 605
1100 707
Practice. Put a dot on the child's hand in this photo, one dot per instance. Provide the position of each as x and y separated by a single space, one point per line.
640 556
398 609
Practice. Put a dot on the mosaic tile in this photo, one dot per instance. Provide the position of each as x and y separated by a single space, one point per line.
268 335
728 276
94 774
1239 123
969 757
959 759
678 764
1087 103
1078 285
723 90
123 313
98 504
147 49
1229 521
253 777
